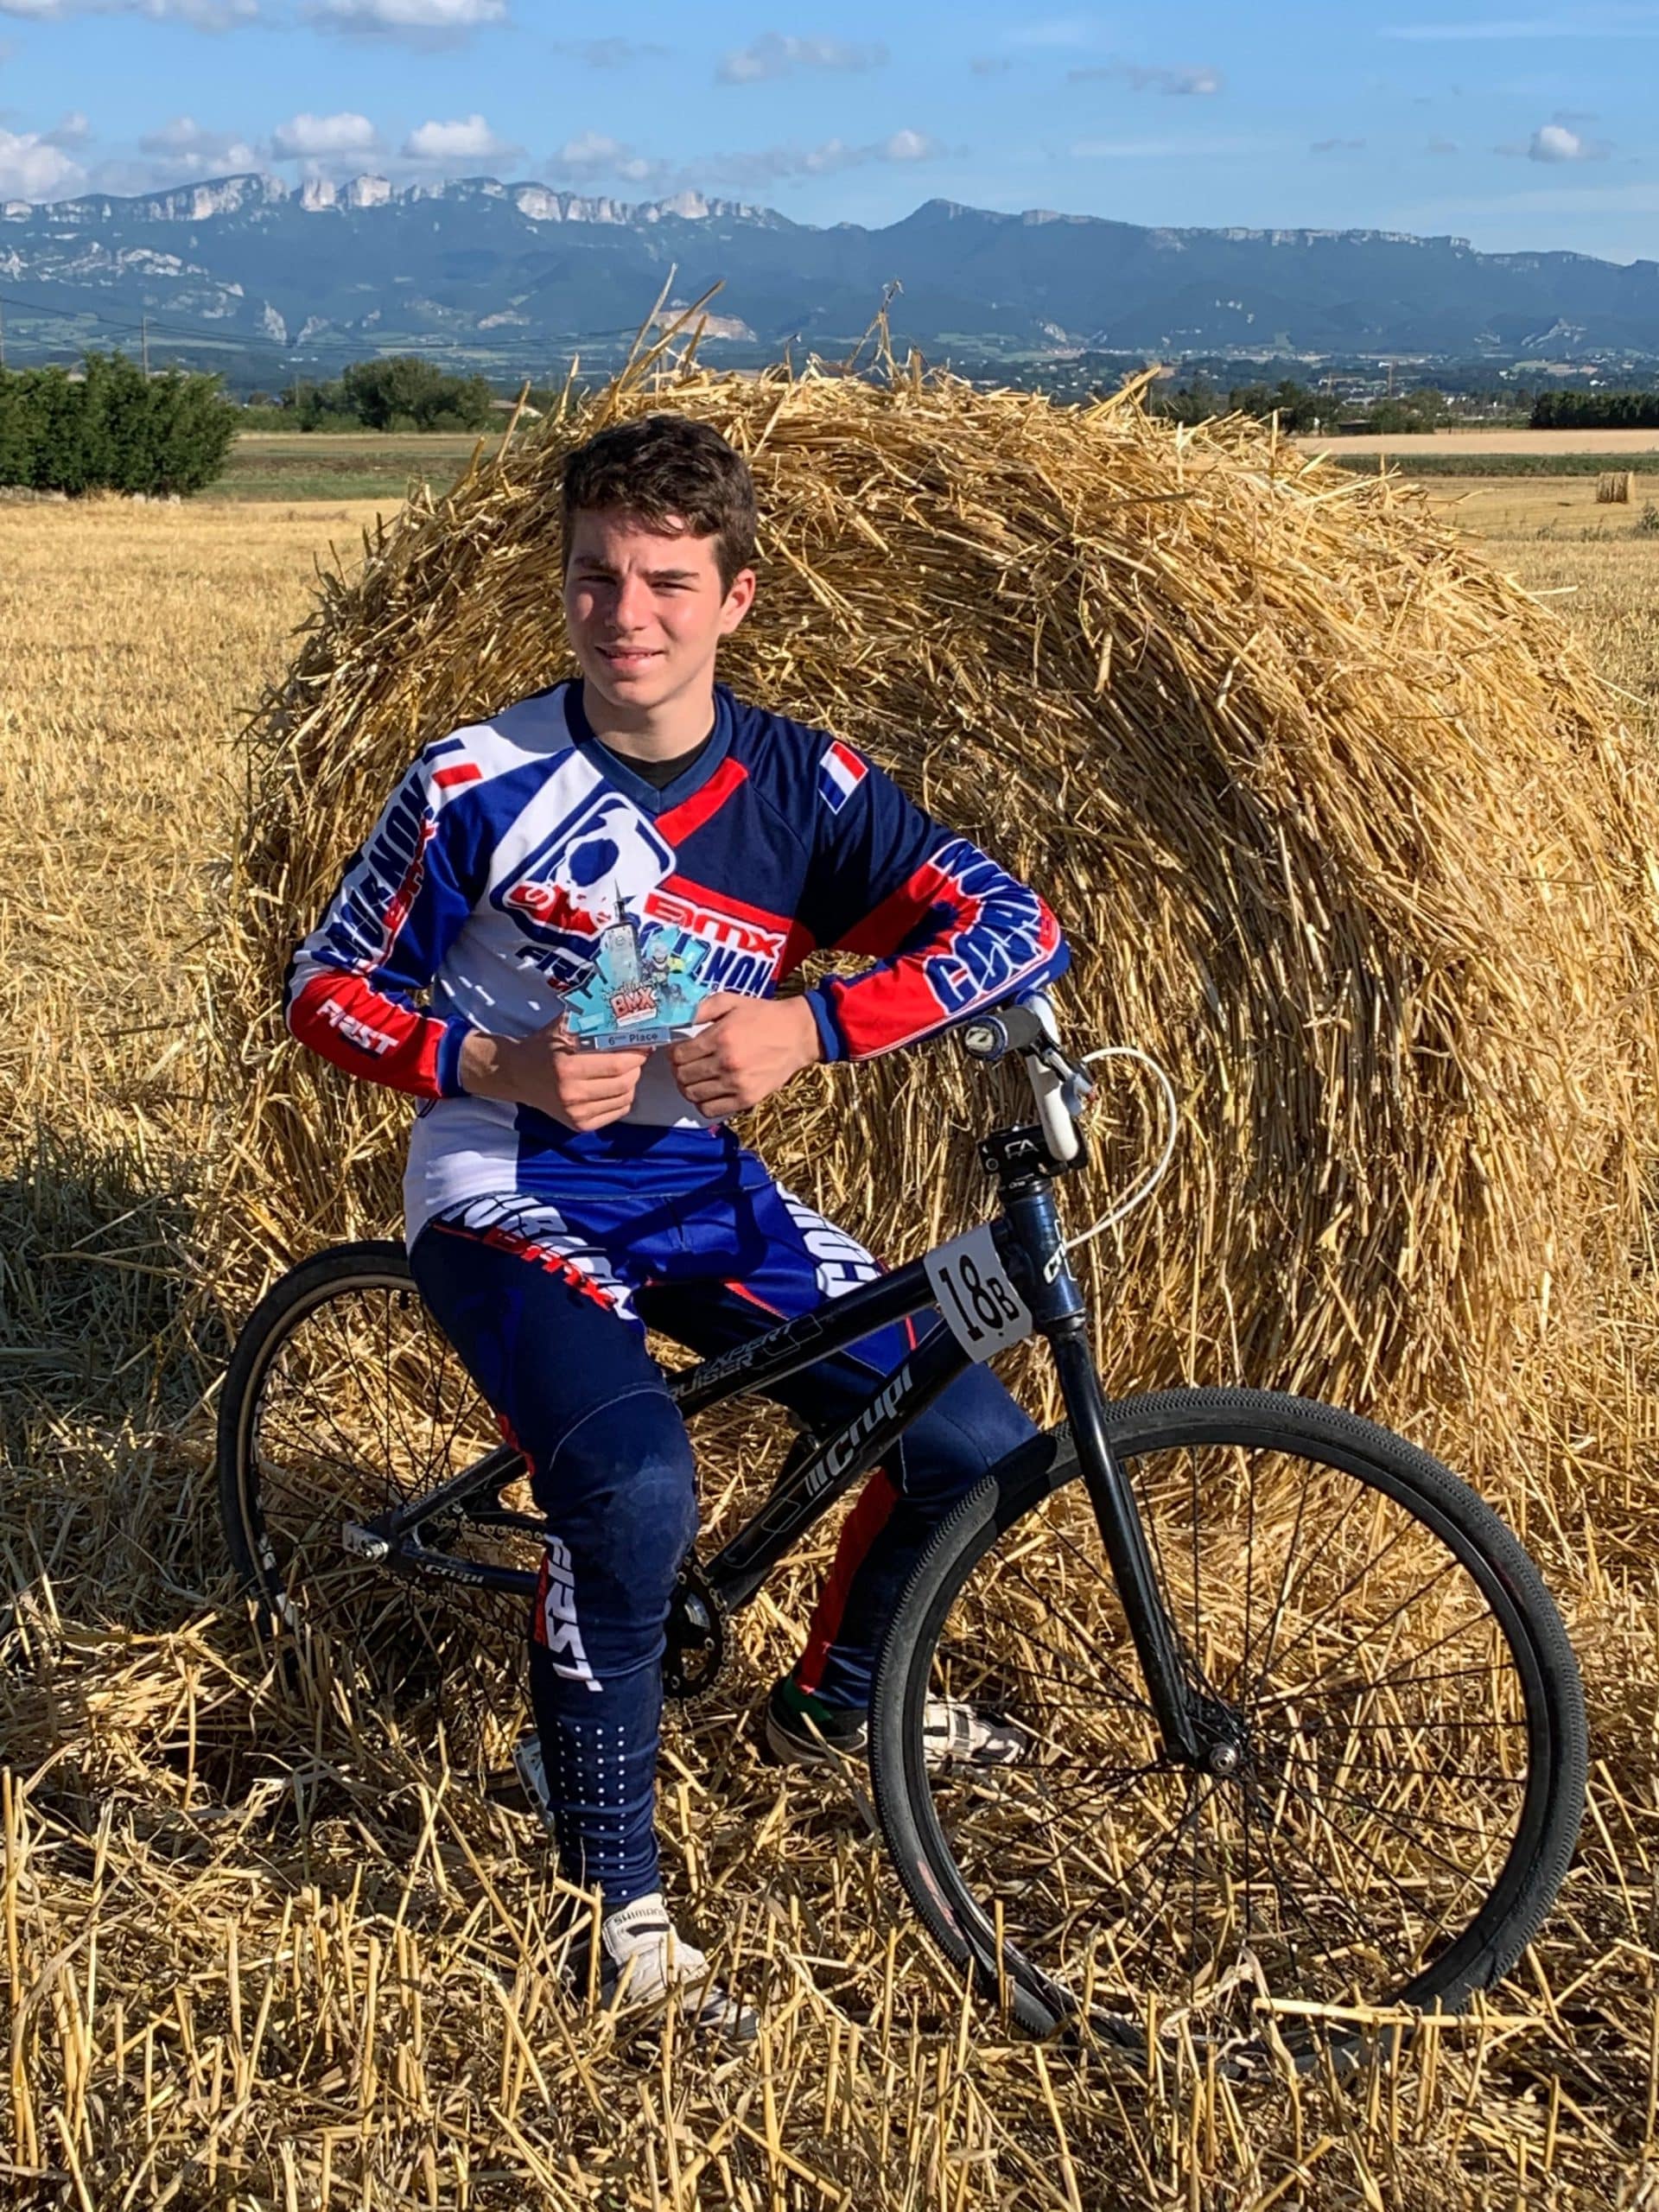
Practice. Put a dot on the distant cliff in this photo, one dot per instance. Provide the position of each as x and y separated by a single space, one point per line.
516 273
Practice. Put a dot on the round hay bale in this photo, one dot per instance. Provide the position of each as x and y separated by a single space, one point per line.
1339 827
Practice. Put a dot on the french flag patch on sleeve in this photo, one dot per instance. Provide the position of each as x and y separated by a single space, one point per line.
840 773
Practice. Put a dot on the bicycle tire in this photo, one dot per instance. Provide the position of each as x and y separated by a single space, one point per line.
440 1656
1542 1707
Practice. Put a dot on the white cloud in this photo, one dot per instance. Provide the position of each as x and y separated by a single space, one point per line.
608 53
1442 146
1554 141
32 167
70 130
468 138
1060 31
183 135
594 157
200 15
313 137
1173 83
185 148
1181 81
1336 146
780 164
774 54
592 151
417 22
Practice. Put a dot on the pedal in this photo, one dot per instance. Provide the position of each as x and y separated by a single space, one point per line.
532 1774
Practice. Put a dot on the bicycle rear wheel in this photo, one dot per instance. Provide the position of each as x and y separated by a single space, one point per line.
1407 1724
343 1398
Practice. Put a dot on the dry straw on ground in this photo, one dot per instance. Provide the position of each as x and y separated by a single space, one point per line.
1338 826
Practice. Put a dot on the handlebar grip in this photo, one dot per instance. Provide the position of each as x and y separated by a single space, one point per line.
1010 1029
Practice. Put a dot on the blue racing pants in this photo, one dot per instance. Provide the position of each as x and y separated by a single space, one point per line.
546 1303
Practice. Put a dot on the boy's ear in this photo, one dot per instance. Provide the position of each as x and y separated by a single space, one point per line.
738 599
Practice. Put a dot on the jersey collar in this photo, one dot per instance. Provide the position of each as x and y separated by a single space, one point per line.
647 797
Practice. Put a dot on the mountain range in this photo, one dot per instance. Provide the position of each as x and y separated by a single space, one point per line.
516 275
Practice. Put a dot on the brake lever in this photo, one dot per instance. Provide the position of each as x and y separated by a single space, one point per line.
1079 1085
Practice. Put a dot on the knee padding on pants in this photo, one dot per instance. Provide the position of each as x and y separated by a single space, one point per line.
620 1490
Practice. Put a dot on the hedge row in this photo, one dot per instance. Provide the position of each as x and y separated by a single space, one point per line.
112 428
1596 410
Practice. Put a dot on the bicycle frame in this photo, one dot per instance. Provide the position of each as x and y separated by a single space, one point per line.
821 1468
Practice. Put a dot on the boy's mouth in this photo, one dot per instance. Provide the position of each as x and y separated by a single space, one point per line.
624 657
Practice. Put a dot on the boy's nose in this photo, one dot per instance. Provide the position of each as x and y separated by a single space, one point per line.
632 604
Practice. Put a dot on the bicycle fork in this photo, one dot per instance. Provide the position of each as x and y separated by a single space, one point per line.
1057 1308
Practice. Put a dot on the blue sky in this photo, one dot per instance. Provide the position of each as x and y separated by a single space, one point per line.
1514 128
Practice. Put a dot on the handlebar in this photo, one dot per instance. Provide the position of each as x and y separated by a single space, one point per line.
1059 1088
1007 1029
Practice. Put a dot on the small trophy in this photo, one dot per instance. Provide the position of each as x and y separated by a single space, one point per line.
639 992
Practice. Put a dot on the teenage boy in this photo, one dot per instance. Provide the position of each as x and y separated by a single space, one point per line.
635 840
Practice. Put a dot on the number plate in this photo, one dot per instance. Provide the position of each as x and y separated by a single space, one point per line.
981 1308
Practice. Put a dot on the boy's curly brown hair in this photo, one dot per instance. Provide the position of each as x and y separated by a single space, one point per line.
666 468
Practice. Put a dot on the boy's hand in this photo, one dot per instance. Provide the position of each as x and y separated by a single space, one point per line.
585 1090
750 1048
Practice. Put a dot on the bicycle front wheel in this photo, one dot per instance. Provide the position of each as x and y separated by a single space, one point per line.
1404 1717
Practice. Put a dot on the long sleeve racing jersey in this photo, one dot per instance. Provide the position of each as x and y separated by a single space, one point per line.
513 845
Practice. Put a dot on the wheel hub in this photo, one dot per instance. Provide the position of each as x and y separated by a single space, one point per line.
1223 1739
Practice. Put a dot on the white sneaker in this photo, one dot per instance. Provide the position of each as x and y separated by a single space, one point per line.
644 1959
642 1955
958 1734
954 1733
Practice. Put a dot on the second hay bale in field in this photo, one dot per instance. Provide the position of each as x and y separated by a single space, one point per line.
1339 827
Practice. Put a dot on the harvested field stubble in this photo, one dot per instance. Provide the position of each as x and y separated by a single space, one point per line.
260 1949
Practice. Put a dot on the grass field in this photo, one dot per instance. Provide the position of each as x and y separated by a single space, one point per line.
224 1987
283 466
277 465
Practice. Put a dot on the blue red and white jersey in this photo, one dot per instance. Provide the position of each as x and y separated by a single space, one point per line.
478 899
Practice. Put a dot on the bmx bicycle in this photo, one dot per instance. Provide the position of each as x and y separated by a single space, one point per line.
1306 1736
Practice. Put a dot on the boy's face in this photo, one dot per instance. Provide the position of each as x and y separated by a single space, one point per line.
645 608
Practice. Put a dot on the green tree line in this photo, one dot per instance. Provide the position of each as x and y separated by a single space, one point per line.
400 392
1298 408
112 428
1596 410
